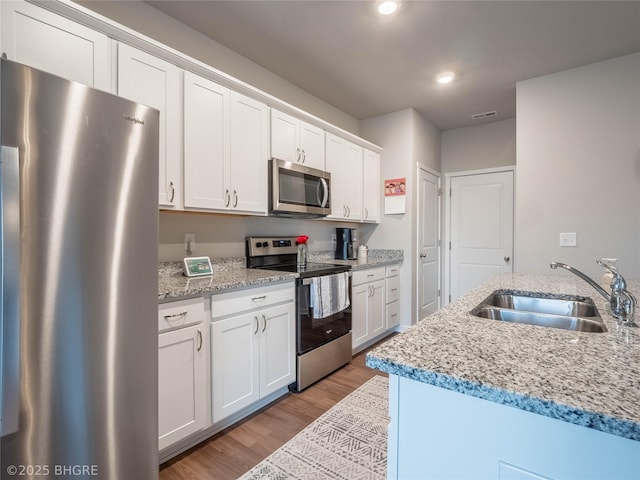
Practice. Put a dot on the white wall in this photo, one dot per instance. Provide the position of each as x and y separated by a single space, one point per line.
578 149
155 24
488 145
407 138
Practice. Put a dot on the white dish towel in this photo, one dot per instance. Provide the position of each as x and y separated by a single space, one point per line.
329 294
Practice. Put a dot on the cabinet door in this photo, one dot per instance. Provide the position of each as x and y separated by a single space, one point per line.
146 79
371 187
249 147
312 144
285 137
353 178
375 312
336 158
182 383
46 41
277 348
234 364
206 148
359 305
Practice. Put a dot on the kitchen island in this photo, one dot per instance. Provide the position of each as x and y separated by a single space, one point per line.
481 398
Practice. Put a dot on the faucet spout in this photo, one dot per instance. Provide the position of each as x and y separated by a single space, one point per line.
590 281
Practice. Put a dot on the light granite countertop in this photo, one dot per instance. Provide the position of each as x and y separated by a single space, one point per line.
589 379
231 274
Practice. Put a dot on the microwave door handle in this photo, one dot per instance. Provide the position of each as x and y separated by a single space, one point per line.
10 288
325 196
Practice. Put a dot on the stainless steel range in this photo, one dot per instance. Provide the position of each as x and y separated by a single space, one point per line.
323 307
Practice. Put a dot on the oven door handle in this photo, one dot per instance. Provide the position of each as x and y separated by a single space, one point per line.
307 281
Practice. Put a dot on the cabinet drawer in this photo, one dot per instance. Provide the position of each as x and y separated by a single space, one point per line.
393 289
368 275
393 314
393 270
239 301
180 314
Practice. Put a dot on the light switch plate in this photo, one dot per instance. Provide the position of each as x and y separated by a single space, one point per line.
569 239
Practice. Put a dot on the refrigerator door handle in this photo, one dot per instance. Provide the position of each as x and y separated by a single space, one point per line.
10 288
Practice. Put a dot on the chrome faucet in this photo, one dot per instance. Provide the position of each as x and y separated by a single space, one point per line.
621 301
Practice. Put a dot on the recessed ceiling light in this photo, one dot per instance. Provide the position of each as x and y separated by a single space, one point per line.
387 7
446 77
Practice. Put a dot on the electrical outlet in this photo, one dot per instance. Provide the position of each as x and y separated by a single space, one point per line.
569 239
189 243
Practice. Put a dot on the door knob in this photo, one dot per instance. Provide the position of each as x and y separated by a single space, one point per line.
506 259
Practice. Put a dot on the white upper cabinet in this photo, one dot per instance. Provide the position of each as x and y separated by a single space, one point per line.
151 81
353 174
249 153
344 162
46 41
226 148
206 151
296 141
371 186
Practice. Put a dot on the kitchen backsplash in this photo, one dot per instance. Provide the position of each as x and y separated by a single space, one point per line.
223 236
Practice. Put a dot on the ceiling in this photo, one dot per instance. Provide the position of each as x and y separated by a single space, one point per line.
367 65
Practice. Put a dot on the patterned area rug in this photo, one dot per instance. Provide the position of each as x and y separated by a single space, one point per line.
348 442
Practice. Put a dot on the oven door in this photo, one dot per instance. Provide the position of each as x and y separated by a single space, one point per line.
311 332
297 190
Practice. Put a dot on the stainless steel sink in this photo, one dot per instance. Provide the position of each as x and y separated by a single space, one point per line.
568 312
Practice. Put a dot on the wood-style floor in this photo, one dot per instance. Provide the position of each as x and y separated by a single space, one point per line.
234 451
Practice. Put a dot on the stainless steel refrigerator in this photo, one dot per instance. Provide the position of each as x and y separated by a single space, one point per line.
79 171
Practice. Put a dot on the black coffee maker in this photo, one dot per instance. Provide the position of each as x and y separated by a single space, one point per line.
346 243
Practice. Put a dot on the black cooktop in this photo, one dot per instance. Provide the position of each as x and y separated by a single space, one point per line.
310 270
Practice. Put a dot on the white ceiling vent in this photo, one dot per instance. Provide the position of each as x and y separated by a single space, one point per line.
478 116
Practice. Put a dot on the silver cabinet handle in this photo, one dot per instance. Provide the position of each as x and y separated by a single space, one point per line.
370 275
394 315
235 199
423 255
10 287
173 191
348 211
304 156
394 289
227 198
261 297
507 259
199 340
344 211
175 315
366 213
298 155
264 326
257 324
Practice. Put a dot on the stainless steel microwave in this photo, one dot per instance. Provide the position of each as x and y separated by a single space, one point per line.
298 191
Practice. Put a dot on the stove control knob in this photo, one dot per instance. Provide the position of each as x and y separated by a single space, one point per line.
265 244
258 244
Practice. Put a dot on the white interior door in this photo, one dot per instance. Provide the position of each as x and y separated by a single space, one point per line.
428 237
481 229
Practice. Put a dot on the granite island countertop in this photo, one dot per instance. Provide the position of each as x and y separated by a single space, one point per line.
231 274
589 379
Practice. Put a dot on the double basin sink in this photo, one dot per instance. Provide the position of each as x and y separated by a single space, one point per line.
569 312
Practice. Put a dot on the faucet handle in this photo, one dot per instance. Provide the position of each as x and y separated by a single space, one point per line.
604 263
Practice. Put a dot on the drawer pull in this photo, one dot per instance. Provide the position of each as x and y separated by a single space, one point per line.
199 340
394 315
394 289
264 326
370 275
257 325
261 297
175 315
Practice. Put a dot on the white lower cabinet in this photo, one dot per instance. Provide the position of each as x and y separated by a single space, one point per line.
182 371
368 305
252 351
392 296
